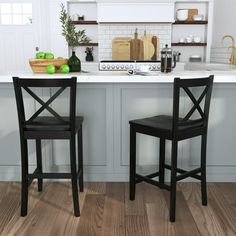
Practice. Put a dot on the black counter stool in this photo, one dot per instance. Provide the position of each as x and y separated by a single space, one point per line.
175 128
49 127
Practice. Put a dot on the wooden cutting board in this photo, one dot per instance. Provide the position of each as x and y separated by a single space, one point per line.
121 48
156 44
136 48
148 47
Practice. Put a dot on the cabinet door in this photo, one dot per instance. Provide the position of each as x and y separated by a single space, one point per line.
10 160
95 104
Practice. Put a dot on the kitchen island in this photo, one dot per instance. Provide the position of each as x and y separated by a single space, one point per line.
108 100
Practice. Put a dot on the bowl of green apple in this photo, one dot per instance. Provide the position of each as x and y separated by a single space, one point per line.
45 62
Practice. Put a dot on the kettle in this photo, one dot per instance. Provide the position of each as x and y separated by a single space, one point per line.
166 60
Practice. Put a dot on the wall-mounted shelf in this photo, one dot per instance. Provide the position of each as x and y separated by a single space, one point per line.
85 22
88 44
188 44
202 22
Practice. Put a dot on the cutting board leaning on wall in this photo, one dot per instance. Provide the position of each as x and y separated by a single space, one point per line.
121 48
126 48
148 47
151 47
156 44
136 48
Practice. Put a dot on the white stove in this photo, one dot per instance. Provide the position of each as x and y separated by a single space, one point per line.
128 65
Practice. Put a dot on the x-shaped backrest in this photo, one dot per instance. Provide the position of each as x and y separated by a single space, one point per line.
59 83
186 85
196 103
45 105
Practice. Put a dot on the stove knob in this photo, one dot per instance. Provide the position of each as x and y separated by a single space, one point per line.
131 67
126 67
104 67
122 67
108 67
154 67
117 67
112 67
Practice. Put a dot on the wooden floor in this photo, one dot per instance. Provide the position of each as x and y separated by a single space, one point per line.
107 211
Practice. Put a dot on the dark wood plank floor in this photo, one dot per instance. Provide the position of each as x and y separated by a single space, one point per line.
107 211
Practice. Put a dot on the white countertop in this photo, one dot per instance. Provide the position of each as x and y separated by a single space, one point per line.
123 77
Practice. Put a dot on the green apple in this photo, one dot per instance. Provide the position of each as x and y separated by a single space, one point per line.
65 69
51 69
40 55
49 55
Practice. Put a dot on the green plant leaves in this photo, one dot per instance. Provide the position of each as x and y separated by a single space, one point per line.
73 38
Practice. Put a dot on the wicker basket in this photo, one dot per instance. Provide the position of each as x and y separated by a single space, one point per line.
40 65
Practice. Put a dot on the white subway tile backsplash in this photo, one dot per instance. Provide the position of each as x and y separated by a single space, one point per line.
108 31
220 54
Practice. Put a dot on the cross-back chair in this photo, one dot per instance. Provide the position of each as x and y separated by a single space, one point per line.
175 128
49 127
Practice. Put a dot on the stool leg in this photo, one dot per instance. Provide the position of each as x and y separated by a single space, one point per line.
132 172
39 163
24 181
162 161
74 176
203 169
80 159
174 152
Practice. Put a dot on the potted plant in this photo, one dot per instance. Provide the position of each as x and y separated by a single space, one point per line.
89 55
73 38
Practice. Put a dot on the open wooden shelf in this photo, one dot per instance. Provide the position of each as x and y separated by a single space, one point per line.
188 44
201 22
85 22
88 44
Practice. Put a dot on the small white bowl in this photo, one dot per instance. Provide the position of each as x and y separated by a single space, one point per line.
182 40
197 39
198 17
182 14
189 39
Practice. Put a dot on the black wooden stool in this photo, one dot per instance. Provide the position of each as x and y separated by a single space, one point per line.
175 128
49 127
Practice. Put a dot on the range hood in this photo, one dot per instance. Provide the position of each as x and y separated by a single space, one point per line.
135 12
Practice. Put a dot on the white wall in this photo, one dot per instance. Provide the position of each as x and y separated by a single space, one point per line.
224 20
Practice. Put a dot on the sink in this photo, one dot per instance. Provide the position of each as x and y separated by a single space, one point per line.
209 67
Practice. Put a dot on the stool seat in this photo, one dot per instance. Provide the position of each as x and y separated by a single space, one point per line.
51 123
162 125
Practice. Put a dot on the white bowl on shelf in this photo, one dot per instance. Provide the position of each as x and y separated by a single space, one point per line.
198 17
182 14
197 39
189 39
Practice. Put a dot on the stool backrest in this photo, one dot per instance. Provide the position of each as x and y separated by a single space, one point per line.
186 85
61 84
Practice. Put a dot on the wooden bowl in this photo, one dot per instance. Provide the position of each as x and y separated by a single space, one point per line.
40 65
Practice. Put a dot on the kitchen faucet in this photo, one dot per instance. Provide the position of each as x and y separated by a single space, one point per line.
233 54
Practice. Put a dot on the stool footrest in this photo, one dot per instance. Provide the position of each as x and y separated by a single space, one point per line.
186 174
59 175
50 176
140 178
150 176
